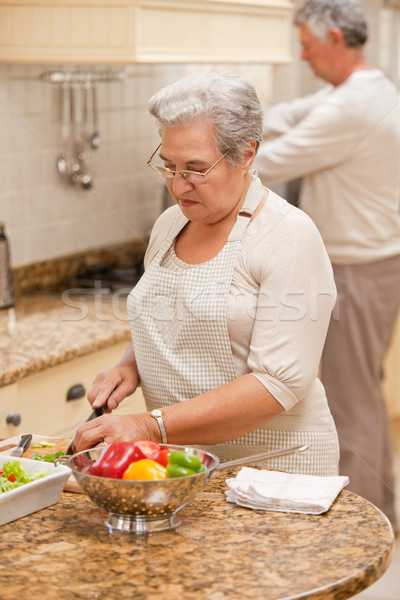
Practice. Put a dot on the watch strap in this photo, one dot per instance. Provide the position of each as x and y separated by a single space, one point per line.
157 415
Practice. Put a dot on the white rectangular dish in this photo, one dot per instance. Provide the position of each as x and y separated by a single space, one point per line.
33 496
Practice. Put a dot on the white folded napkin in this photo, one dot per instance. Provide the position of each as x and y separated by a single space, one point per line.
285 492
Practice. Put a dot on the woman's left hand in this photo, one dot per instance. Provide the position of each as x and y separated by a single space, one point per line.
110 428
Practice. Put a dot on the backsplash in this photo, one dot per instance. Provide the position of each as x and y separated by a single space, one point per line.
46 217
53 275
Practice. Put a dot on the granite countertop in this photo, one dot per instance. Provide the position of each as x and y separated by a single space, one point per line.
219 552
51 329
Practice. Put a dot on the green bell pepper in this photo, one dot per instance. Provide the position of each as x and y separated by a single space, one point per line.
182 464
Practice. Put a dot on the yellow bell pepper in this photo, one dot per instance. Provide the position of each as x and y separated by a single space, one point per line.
145 469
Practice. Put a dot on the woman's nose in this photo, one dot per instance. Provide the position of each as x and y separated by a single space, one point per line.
179 184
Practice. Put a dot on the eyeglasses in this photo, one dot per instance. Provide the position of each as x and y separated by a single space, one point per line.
193 177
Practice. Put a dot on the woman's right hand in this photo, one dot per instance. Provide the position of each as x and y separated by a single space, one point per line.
112 386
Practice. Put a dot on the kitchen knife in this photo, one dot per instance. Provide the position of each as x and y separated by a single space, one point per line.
96 412
23 445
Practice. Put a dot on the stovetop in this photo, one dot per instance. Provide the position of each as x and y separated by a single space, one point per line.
111 276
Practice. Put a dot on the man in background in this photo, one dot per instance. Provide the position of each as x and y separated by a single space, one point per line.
344 141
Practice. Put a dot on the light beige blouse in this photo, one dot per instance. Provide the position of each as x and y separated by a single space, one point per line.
280 302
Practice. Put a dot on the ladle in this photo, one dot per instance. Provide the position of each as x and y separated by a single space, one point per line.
95 138
75 130
79 120
62 165
85 177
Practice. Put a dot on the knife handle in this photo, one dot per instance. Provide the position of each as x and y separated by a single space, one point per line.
22 445
99 411
96 412
25 441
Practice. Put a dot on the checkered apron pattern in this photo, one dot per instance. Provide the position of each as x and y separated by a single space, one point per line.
181 343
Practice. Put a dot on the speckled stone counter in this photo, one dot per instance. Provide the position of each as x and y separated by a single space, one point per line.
52 329
219 552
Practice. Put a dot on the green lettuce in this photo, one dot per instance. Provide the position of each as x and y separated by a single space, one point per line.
22 476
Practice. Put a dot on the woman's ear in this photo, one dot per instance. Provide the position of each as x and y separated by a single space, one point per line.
249 154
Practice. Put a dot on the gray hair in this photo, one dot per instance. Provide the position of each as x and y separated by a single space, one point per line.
321 16
224 100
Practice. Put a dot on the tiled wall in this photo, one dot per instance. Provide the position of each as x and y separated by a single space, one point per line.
47 217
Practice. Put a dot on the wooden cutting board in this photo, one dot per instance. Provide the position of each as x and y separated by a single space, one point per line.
60 444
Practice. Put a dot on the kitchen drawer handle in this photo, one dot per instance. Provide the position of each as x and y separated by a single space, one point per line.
13 419
76 392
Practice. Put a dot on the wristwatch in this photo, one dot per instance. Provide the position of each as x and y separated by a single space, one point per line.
157 414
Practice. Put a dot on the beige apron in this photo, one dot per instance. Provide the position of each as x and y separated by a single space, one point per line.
181 343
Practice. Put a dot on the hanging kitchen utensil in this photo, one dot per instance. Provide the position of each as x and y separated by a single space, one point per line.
86 179
95 137
86 116
62 158
75 131
78 172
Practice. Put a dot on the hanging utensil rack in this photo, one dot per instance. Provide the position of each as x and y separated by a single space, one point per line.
79 120
83 76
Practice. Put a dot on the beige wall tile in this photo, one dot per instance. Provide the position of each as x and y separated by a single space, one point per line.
47 217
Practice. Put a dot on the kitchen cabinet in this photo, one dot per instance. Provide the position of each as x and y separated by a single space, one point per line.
38 403
144 31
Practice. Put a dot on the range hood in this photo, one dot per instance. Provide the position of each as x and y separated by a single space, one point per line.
144 31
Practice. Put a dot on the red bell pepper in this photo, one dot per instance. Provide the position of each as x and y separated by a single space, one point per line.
115 459
162 456
149 448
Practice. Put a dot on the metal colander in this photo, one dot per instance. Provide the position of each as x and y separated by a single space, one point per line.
146 506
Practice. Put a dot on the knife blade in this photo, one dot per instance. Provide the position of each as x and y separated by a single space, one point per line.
23 445
96 412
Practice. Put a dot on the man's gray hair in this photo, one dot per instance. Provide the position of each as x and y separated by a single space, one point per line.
224 100
321 16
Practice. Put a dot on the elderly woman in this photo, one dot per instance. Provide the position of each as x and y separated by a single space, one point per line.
229 319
